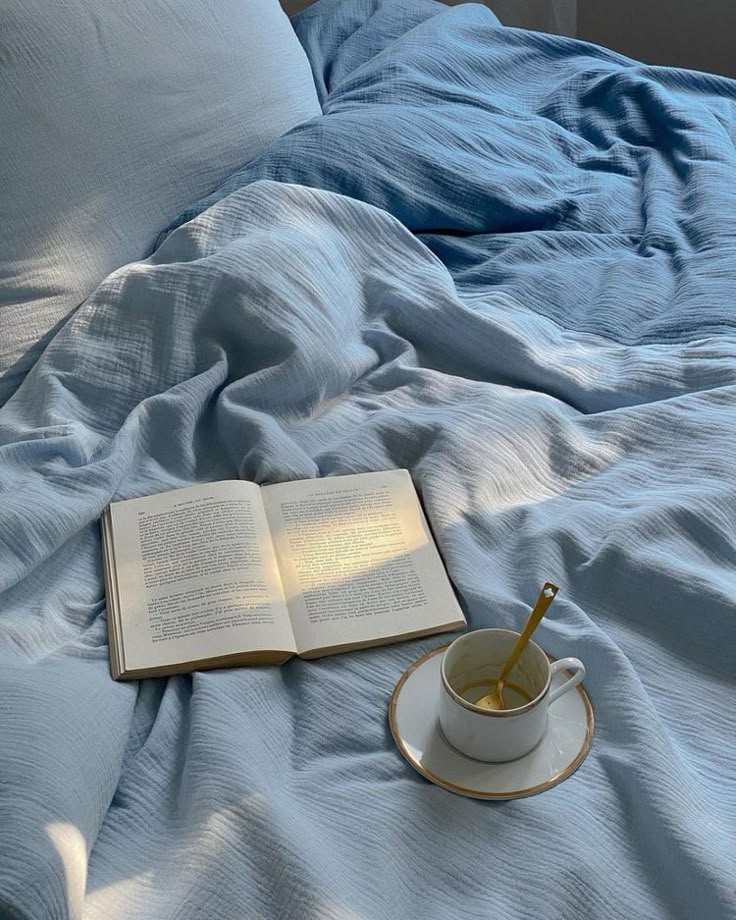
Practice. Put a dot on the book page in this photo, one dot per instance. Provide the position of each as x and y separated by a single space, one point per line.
197 576
357 560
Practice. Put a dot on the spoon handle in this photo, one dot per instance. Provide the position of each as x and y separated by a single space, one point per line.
546 596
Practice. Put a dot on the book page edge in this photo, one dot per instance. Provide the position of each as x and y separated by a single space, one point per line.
243 659
323 652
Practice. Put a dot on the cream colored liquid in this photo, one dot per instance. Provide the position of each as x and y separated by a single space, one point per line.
514 696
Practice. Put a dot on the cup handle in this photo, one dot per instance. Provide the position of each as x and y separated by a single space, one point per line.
564 664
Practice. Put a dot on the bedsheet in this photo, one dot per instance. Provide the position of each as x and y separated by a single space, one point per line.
500 259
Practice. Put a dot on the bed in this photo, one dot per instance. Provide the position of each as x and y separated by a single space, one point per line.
507 262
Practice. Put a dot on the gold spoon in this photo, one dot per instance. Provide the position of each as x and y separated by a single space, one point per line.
494 699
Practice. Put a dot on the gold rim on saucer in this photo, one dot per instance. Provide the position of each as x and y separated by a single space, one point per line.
473 793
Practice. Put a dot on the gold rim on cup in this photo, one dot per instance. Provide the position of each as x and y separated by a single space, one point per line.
482 710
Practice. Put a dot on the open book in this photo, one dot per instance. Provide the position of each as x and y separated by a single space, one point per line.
231 573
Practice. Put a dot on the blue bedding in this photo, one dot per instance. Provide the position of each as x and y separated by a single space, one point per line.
501 259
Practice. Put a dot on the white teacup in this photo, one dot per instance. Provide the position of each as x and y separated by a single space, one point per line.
470 668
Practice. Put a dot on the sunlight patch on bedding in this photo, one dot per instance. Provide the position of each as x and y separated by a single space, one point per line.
111 901
72 849
520 469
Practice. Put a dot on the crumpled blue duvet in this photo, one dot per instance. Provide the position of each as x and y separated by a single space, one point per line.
506 261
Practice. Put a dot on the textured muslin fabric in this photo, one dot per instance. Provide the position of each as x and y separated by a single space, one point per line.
524 295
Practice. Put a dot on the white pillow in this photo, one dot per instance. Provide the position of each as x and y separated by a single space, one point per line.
114 116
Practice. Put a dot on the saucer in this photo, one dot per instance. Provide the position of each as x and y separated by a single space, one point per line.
417 733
